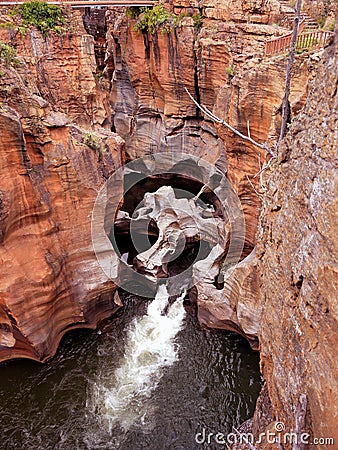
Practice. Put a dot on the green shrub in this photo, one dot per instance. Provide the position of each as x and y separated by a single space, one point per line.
176 21
99 75
321 22
198 19
172 23
331 26
8 55
230 70
40 14
150 19
93 142
8 25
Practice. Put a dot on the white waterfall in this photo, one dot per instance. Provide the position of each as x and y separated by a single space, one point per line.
150 347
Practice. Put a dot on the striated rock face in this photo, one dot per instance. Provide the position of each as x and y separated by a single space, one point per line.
221 63
298 264
255 98
63 68
236 306
50 172
258 11
152 111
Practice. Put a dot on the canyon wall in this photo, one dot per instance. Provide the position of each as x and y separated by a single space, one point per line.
290 301
220 60
57 149
52 166
67 102
298 251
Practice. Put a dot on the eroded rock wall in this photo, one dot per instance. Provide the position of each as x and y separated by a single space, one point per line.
298 255
55 156
221 61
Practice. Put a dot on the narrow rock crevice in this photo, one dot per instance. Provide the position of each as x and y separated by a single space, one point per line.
94 21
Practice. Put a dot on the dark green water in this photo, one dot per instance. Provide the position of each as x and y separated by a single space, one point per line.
214 385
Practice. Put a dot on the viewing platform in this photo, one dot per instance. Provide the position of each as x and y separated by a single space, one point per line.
306 40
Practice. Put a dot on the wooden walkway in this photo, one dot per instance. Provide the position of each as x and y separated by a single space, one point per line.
86 3
282 43
305 41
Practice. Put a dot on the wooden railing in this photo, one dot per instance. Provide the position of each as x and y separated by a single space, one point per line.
282 43
313 39
308 40
84 3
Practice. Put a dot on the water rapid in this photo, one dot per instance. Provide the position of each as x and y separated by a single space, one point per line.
150 347
196 379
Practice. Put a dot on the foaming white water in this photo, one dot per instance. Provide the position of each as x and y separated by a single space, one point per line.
150 348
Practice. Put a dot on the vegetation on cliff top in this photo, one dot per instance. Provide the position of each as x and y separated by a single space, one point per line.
198 19
154 18
40 14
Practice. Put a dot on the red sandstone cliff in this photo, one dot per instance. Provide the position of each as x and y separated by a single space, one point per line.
50 280
222 63
49 178
298 255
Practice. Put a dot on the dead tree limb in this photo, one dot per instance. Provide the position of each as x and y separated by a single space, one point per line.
260 195
216 119
264 168
290 60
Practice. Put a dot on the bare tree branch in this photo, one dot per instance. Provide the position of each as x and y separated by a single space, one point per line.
261 172
265 167
248 125
253 187
291 57
214 118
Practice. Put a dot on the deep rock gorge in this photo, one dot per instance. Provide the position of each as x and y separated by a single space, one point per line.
83 103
